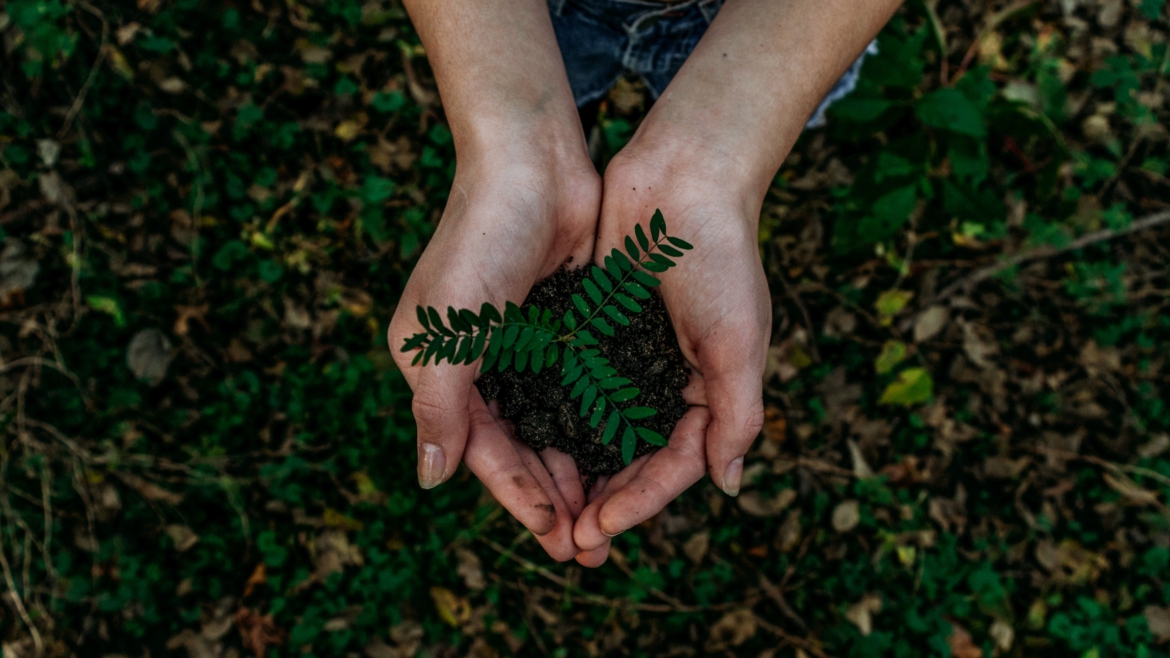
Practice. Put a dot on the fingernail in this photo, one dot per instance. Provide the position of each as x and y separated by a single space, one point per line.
613 535
432 464
732 477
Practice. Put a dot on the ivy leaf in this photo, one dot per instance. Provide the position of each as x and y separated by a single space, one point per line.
913 386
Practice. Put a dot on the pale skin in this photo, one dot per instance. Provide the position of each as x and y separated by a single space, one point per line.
526 198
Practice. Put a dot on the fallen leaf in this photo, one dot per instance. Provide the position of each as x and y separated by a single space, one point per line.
18 269
846 516
149 355
258 631
1003 634
1130 491
891 303
929 323
733 629
913 386
183 536
453 609
755 504
259 577
790 532
696 547
961 644
469 569
893 352
1158 619
862 612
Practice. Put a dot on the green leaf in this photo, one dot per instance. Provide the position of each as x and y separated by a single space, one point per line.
638 413
670 251
522 343
448 350
533 315
612 268
464 349
629 442
609 383
496 341
625 395
592 290
623 262
645 279
587 399
913 386
586 338
470 318
893 352
611 427
602 326
650 436
477 346
422 317
579 388
458 323
949 109
680 243
489 313
657 225
598 409
433 349
550 355
570 320
414 342
505 359
489 360
537 359
417 357
521 361
510 335
437 322
581 304
616 315
601 279
636 289
642 239
631 305
512 313
655 267
572 375
632 249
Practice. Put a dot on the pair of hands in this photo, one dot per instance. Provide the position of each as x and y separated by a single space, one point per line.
515 215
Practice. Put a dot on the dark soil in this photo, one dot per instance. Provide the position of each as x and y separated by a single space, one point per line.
646 352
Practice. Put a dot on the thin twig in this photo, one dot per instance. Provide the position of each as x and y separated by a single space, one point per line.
789 638
808 323
777 595
19 603
80 100
981 275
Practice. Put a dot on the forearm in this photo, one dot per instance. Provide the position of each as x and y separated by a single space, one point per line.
499 73
744 95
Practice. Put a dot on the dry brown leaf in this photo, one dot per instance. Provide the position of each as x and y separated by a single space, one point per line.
259 577
733 629
696 547
846 516
258 631
183 536
453 609
469 569
1130 491
862 612
149 354
1158 619
755 504
929 323
961 644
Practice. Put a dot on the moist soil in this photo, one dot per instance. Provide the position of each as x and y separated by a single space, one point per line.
646 352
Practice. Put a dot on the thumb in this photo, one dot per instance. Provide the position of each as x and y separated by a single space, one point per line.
735 398
442 394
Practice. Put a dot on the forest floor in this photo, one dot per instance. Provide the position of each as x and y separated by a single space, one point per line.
209 209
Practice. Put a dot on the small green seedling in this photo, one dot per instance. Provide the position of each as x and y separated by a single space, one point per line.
538 341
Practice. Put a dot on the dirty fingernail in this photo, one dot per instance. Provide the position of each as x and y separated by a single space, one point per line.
732 477
432 464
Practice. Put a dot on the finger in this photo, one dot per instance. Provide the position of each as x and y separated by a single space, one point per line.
494 459
597 488
735 396
594 558
563 470
558 542
668 473
587 532
441 397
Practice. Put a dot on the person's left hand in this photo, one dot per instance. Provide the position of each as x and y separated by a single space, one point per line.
718 300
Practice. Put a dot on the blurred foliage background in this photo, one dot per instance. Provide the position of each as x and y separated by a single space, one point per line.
208 210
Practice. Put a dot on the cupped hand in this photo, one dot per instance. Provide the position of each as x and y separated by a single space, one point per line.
512 219
718 300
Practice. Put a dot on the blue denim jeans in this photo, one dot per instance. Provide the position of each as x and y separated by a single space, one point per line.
601 39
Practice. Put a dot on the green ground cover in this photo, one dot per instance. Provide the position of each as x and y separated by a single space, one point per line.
208 210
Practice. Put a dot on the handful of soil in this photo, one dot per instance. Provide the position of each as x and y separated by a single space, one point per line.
646 352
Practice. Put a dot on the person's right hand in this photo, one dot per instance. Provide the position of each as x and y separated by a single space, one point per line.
514 216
